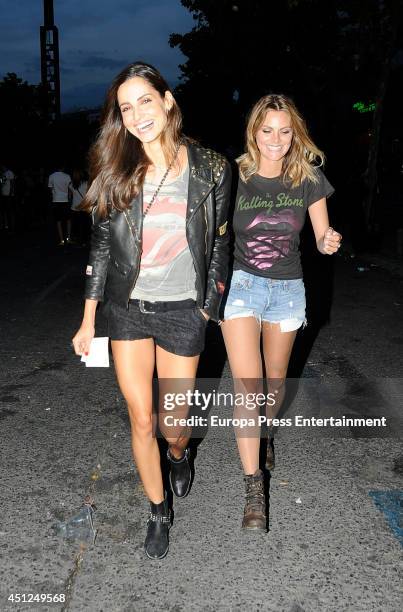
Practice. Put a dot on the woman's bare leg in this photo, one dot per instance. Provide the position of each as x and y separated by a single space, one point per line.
242 341
277 347
176 374
134 365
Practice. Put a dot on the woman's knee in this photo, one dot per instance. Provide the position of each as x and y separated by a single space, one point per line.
276 375
141 422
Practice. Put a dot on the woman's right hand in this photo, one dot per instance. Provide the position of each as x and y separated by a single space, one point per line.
82 339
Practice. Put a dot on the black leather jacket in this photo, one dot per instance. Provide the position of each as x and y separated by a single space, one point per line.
116 244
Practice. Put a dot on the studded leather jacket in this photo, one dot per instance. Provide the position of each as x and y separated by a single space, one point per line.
116 244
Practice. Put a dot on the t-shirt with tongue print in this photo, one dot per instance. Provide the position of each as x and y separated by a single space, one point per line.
269 216
167 271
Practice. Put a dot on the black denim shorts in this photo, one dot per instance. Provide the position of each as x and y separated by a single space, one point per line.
181 332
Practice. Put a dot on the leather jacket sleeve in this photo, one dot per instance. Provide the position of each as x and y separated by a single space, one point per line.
218 268
98 260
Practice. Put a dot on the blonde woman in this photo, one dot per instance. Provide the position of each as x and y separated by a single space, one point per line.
279 182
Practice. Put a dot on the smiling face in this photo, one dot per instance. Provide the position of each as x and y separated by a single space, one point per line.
144 110
274 138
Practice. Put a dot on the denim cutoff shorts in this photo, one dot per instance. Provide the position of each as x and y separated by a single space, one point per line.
266 299
181 332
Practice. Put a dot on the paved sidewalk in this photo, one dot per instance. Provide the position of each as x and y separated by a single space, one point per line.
65 433
333 551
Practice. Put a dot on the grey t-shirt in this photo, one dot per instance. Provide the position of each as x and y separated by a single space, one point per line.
167 271
268 219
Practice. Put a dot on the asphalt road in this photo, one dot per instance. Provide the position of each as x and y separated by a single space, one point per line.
334 539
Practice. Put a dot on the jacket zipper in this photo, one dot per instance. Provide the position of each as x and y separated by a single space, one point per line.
205 235
196 265
195 262
138 264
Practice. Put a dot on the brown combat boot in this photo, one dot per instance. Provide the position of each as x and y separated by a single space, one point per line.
270 456
255 507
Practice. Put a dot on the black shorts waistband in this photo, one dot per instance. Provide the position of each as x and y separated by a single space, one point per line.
151 307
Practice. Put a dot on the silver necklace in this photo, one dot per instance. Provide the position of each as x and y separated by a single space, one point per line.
151 202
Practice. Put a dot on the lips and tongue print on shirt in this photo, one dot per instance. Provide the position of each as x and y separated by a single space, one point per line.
163 235
166 266
269 237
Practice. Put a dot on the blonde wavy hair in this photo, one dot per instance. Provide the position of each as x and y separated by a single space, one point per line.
303 155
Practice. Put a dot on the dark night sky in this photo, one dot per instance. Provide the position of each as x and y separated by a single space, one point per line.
97 38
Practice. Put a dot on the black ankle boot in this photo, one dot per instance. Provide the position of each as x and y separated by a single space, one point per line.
156 544
180 474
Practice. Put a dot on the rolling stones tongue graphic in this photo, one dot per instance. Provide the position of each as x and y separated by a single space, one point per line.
164 238
269 237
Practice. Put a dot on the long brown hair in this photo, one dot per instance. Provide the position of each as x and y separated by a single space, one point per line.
301 158
117 160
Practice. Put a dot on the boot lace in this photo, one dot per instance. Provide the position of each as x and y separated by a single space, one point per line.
255 501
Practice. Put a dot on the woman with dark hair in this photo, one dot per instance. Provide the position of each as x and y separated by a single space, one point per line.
279 182
159 259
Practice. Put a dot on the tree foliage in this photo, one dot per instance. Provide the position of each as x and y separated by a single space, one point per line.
21 122
27 139
326 55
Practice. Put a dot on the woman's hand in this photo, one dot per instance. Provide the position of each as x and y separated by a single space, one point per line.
327 240
82 339
331 241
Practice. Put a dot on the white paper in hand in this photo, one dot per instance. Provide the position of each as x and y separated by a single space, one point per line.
98 357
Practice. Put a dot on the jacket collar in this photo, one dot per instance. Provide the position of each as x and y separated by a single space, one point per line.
199 187
199 166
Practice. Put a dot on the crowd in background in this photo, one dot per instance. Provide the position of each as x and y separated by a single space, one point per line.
34 199
28 203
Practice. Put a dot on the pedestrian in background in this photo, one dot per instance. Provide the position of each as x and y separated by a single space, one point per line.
279 182
27 203
7 198
159 258
80 219
59 183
